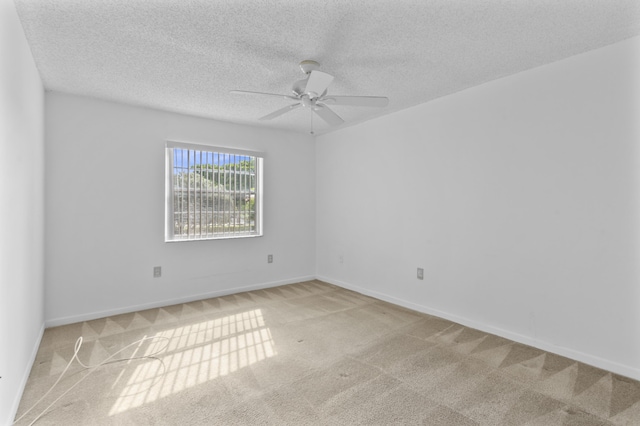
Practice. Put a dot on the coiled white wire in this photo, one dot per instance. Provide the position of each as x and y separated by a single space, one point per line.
93 368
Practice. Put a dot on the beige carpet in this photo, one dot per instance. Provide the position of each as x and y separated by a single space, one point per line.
313 353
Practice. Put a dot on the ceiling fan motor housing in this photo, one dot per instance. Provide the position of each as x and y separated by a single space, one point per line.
299 87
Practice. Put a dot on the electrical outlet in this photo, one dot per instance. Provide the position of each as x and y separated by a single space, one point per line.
420 273
157 271
270 258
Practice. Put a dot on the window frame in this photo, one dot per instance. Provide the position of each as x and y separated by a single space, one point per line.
169 231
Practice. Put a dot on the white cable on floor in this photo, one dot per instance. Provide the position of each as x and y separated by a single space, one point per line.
93 368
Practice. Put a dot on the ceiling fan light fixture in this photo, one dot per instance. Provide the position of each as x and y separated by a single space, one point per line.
307 101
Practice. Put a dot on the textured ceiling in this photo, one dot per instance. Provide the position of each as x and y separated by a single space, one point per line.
185 55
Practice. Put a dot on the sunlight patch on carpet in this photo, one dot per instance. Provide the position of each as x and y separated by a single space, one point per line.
197 353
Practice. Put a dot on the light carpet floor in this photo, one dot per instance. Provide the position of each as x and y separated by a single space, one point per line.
314 354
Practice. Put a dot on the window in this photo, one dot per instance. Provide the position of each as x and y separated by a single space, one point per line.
212 193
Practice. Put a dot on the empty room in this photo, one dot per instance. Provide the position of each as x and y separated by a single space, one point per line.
319 212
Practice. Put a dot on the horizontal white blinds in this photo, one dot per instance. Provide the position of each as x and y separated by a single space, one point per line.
212 194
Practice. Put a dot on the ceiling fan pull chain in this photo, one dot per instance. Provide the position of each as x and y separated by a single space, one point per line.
311 114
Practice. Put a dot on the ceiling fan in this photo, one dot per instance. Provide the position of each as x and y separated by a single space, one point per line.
311 93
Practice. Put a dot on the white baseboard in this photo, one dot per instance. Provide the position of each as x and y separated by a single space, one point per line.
54 322
25 377
614 367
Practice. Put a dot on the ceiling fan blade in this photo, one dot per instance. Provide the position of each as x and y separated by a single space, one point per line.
364 101
329 116
281 111
246 92
317 83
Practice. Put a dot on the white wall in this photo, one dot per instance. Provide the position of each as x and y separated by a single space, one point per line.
21 210
105 211
519 198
